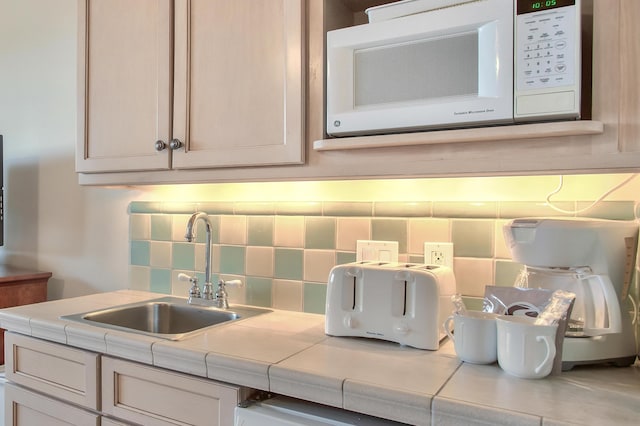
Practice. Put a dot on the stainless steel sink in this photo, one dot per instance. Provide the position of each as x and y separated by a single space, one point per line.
168 317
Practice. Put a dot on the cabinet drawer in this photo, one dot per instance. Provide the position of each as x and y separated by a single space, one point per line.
26 408
66 373
152 396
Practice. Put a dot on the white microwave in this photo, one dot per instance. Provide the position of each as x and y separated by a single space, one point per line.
472 63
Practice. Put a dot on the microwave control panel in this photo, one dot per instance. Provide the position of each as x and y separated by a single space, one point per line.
547 56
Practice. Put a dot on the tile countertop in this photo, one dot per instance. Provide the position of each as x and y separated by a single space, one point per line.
288 353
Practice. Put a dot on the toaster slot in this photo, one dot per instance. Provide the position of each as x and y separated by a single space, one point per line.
399 298
349 292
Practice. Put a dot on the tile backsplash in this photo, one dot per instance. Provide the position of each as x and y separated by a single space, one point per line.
283 252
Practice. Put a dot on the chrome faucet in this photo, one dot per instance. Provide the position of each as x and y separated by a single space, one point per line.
207 289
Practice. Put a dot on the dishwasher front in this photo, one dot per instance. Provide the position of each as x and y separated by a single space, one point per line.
284 411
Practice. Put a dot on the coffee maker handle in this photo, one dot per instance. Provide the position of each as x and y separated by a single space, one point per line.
612 305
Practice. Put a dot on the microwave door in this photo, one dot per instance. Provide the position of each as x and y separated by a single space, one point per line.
419 72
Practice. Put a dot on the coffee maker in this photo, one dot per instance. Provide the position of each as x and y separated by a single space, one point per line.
593 258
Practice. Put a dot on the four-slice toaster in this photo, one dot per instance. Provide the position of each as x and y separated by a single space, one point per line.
405 303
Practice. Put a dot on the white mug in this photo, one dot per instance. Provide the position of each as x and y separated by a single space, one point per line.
525 350
475 336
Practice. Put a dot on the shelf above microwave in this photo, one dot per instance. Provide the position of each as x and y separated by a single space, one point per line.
497 133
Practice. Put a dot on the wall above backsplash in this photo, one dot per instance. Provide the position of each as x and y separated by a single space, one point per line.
282 239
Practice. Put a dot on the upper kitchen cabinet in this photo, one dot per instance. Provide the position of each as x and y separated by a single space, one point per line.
189 84
208 92
124 90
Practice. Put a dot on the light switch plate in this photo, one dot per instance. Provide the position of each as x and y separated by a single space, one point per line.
438 254
380 251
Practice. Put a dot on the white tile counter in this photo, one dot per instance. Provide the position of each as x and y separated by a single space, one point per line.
288 353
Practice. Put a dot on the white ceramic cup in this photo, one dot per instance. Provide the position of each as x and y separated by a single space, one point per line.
525 350
475 336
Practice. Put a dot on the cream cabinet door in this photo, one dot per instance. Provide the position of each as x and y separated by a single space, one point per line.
26 408
124 84
239 82
67 373
152 396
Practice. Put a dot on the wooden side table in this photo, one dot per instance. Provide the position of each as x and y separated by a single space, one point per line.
20 286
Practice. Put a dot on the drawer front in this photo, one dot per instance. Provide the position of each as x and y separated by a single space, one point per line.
27 408
66 373
151 396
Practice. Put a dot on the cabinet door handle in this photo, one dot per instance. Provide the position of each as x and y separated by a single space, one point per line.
175 144
160 146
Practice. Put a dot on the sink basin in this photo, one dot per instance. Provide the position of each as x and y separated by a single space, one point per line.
170 318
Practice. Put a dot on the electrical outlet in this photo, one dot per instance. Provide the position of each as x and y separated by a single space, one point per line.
381 251
438 254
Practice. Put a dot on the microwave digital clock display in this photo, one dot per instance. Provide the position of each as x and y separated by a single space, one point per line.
530 6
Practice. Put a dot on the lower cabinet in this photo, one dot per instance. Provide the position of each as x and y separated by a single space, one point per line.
151 396
25 407
51 384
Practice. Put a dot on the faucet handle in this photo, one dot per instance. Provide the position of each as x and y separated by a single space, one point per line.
194 291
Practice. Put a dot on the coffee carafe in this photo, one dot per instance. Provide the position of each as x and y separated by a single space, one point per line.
592 258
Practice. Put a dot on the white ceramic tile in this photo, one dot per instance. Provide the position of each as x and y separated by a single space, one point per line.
240 371
130 346
48 330
450 412
472 275
17 322
179 227
287 295
350 230
427 230
160 254
259 261
389 403
578 396
140 227
177 357
139 278
318 264
233 230
86 337
289 231
319 388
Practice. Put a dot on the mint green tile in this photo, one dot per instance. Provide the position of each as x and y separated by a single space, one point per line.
160 281
472 238
183 256
402 209
347 209
146 207
260 230
232 259
320 233
452 209
140 253
259 291
343 257
390 230
416 259
288 264
514 209
315 298
614 210
507 272
161 227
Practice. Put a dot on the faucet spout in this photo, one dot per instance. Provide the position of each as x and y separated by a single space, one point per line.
207 292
